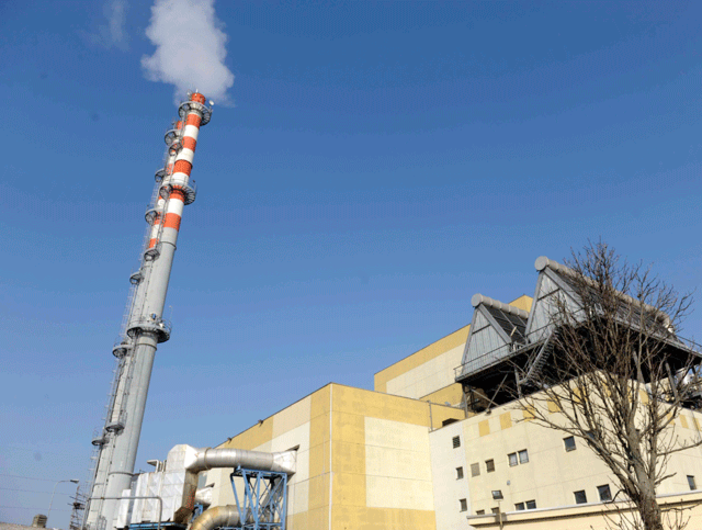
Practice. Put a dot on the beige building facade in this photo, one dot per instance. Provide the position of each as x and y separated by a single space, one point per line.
364 459
536 470
409 455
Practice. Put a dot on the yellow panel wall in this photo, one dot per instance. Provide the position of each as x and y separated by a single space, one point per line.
439 357
363 459
381 460
429 372
452 394
305 423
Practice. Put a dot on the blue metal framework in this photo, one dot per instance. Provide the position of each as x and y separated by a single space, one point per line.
265 499
197 511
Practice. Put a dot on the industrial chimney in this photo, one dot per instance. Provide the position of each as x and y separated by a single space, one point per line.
143 327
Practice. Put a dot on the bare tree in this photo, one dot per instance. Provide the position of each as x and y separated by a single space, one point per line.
618 374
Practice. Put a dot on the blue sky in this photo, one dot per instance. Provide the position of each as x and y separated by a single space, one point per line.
375 166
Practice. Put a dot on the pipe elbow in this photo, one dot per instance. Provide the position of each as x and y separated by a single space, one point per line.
217 517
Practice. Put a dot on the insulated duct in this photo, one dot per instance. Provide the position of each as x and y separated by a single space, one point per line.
204 459
177 479
217 517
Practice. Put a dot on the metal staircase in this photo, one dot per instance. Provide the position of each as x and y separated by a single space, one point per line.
539 362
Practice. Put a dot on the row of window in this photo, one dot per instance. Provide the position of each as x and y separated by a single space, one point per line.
522 457
520 506
526 505
514 459
569 443
603 491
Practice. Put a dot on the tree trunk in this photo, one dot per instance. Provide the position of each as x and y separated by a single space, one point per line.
650 512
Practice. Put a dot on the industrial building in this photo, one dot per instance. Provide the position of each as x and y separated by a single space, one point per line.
411 455
438 444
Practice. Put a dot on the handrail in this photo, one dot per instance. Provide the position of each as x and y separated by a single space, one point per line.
138 497
469 365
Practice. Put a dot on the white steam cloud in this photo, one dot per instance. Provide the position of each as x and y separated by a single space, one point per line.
190 48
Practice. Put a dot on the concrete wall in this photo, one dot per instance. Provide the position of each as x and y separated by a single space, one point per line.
364 459
448 488
592 516
381 463
452 395
428 377
375 461
428 373
288 428
552 474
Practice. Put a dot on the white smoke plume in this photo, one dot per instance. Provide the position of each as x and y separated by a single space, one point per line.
190 49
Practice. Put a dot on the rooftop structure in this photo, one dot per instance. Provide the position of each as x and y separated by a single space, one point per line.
508 349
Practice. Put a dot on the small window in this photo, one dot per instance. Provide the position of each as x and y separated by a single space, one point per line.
456 442
580 497
691 482
523 456
531 505
475 469
519 506
459 473
604 492
448 422
490 465
480 512
496 510
513 459
464 504
569 443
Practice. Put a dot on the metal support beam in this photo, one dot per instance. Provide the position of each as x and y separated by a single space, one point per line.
671 381
264 505
491 400
516 382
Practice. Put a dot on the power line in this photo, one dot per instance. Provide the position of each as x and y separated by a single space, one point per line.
35 491
28 478
40 451
30 508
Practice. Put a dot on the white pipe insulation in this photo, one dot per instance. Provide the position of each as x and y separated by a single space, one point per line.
217 517
204 459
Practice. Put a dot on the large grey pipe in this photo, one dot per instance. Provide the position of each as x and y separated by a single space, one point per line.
207 458
204 459
217 517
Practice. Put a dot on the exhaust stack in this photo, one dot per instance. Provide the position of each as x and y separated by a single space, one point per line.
144 326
